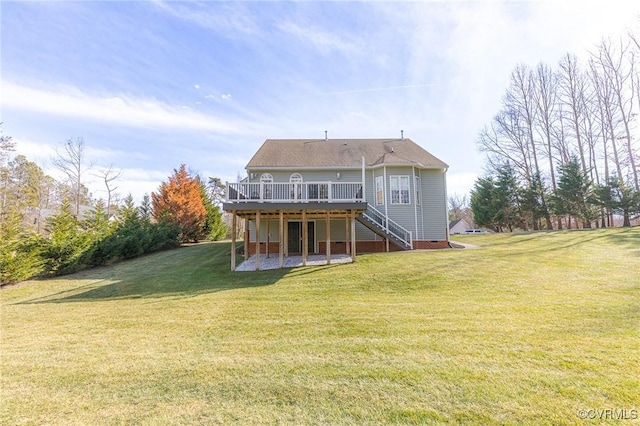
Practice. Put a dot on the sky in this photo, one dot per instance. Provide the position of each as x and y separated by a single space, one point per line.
150 85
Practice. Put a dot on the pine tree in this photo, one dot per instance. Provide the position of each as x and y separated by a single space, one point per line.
574 196
214 227
178 202
619 198
68 244
20 250
483 203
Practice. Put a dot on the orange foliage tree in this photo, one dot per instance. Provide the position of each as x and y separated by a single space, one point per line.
179 202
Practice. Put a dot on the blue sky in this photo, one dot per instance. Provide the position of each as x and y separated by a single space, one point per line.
153 84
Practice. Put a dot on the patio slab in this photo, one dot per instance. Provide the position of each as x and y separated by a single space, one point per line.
272 262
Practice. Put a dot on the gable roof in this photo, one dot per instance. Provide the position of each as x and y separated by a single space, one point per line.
345 153
455 222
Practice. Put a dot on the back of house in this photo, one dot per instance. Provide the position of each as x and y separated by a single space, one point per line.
394 189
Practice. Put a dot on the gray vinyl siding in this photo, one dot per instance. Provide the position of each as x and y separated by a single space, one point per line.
349 175
403 214
434 208
426 221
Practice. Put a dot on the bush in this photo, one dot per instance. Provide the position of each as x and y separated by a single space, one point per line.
20 252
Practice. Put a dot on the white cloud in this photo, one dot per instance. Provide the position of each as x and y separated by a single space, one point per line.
121 109
196 86
324 41
226 97
228 19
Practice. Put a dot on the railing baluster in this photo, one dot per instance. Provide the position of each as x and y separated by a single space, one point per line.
295 192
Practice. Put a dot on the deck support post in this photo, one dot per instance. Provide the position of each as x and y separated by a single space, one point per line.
233 240
353 235
286 238
246 238
258 240
281 239
347 231
305 238
328 238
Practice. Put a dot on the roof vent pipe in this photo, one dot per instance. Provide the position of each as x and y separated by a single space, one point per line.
402 135
325 135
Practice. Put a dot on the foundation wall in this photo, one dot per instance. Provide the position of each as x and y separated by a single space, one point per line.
340 247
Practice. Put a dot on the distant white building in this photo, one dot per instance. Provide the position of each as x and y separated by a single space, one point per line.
458 226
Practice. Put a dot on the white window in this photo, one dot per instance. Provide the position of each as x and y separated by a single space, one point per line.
379 190
417 189
399 186
295 190
266 178
266 185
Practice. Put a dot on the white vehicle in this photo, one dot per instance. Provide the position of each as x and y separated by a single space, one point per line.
475 231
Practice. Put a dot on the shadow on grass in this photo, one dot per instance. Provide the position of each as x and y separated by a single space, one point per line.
625 237
184 272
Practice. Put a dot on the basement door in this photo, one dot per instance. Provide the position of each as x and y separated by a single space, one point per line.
295 237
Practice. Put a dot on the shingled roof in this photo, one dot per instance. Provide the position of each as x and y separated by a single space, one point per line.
342 153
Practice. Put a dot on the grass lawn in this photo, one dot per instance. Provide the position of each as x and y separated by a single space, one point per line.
529 329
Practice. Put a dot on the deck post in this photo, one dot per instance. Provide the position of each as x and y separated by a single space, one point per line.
246 238
305 238
258 240
328 238
353 235
233 240
281 239
286 239
347 241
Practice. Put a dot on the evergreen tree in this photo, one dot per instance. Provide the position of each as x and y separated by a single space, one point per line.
483 204
507 199
67 245
574 195
214 227
146 209
20 250
618 198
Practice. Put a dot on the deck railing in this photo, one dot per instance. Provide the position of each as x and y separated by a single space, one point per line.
395 229
304 192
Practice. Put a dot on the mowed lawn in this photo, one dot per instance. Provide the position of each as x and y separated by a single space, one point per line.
540 328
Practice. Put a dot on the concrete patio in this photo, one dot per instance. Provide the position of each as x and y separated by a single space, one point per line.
272 262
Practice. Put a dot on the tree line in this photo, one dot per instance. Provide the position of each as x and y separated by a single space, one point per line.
50 227
562 151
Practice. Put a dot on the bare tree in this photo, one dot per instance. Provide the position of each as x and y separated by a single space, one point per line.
108 176
217 190
70 160
571 88
618 76
546 104
608 117
521 100
7 145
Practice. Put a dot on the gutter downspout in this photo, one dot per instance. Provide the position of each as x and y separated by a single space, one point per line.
364 178
446 206
386 203
415 201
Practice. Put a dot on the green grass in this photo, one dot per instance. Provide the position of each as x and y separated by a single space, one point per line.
529 329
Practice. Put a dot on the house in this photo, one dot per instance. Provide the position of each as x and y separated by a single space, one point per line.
458 226
324 196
